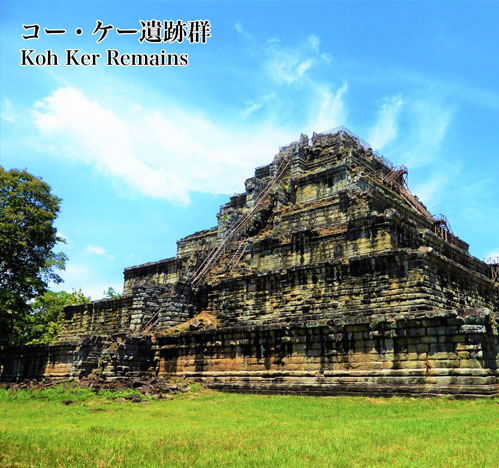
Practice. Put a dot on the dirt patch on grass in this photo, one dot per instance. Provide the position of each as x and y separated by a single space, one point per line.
377 401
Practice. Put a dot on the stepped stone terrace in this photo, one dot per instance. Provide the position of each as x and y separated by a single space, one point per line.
325 276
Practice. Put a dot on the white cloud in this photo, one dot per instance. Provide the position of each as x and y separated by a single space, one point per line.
428 123
492 254
102 139
86 278
331 110
290 64
7 112
101 251
416 129
256 105
433 188
157 156
482 97
76 270
95 249
241 30
169 152
385 129
64 238
253 107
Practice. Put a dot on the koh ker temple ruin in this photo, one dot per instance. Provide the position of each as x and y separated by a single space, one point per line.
325 276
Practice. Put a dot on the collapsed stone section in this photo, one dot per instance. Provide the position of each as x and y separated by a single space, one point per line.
108 356
334 247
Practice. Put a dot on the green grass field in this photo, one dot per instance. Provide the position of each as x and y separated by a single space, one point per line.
208 429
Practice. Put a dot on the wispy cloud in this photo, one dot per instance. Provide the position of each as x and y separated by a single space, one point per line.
172 151
331 111
422 127
257 105
95 249
100 251
493 254
290 64
385 129
103 139
239 28
432 189
428 123
87 278
298 94
7 111
75 271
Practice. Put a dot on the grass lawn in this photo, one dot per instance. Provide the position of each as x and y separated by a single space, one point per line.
209 429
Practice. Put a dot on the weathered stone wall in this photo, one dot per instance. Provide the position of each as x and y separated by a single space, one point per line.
355 271
190 252
162 272
168 303
110 357
434 354
200 240
99 317
37 361
114 357
165 304
447 354
332 289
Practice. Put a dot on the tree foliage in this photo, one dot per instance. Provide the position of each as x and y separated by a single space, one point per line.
43 323
111 294
27 239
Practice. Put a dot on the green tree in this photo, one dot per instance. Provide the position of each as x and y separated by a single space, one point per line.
27 239
111 294
43 323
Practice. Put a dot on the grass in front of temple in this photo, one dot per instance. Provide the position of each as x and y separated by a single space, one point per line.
208 429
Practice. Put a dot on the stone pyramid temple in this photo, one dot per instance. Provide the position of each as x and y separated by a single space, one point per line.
325 276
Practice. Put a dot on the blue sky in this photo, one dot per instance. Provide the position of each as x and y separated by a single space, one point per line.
142 156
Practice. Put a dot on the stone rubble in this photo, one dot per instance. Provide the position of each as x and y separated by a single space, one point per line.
156 388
